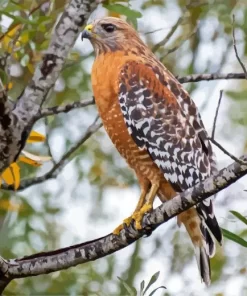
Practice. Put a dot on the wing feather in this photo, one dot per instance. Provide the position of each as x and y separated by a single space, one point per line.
162 119
156 123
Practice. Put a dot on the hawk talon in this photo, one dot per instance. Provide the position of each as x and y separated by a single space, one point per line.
126 222
117 230
137 217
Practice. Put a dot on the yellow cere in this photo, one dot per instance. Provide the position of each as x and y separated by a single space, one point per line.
89 28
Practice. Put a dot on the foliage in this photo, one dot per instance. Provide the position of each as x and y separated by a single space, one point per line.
143 290
45 216
232 236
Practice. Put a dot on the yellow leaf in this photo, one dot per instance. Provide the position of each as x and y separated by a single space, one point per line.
11 175
16 174
35 137
32 159
9 85
8 177
28 161
8 37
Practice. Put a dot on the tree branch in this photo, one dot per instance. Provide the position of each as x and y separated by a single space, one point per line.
216 114
169 35
17 123
64 109
208 77
235 47
46 262
212 138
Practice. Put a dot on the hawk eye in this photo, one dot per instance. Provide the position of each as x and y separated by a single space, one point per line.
109 28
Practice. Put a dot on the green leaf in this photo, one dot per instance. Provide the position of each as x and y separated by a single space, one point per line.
239 216
232 236
123 10
152 281
142 286
130 290
3 77
155 290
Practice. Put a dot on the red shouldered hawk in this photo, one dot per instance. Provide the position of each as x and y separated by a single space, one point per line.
155 126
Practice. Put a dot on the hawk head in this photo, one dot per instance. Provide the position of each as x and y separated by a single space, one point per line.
110 34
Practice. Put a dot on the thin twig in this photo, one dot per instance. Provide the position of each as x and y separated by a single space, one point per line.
216 114
209 77
227 153
38 6
176 47
212 139
153 31
64 109
169 35
65 158
235 47
47 144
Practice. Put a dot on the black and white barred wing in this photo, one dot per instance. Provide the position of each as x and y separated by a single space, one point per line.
155 122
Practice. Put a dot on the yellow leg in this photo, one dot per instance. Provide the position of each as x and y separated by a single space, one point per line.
141 209
128 220
148 205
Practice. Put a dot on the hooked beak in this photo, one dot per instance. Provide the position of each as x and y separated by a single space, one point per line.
87 32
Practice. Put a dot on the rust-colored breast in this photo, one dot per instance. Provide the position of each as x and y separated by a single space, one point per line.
105 87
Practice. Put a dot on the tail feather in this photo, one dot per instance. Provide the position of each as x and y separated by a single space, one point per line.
202 240
201 224
208 242
203 262
206 213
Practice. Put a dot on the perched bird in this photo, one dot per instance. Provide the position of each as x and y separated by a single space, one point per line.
155 126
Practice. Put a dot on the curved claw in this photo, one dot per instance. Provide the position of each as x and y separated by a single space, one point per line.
137 217
126 222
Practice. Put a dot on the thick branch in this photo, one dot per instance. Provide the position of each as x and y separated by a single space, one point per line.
47 262
16 124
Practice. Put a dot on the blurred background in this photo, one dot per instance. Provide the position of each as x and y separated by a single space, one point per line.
96 190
